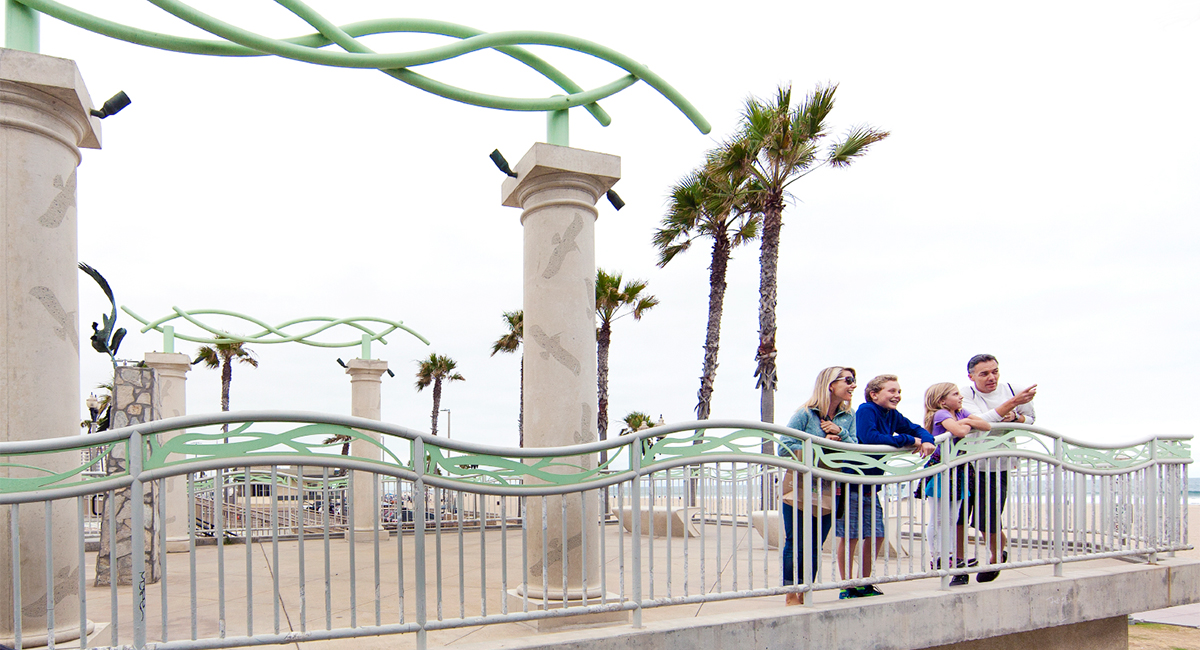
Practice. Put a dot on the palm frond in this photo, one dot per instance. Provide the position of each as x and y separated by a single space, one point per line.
855 144
812 112
614 299
511 341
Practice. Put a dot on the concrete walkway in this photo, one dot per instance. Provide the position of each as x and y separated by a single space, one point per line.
249 606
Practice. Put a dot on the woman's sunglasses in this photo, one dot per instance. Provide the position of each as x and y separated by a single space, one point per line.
850 381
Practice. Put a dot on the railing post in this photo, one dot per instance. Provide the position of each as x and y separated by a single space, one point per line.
806 524
1079 523
137 537
947 530
1152 497
418 461
635 495
1058 507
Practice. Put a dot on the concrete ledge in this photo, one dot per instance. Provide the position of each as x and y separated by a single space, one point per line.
656 519
918 619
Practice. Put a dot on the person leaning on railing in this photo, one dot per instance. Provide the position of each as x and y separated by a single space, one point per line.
992 401
877 422
826 414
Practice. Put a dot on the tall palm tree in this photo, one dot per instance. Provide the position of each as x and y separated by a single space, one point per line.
222 355
707 204
776 145
613 301
435 370
509 343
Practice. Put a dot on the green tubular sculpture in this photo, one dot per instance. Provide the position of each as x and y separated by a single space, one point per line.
235 41
271 333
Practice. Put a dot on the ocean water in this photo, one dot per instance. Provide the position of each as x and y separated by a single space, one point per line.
1194 491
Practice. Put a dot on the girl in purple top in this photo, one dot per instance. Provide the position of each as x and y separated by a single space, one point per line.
944 414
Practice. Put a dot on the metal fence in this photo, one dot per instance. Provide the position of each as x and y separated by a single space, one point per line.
681 514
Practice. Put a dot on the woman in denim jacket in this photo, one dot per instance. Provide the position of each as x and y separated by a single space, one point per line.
826 414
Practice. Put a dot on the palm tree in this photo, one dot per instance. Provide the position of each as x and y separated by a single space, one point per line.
707 204
634 421
435 370
776 145
509 343
222 355
613 301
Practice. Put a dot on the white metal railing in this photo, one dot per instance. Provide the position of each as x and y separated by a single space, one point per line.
686 515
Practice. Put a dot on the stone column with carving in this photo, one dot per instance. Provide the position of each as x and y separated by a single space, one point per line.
365 382
557 189
44 120
170 372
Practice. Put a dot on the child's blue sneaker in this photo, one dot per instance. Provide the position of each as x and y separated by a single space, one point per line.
852 592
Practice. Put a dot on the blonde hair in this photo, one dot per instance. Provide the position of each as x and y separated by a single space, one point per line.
933 398
876 385
822 392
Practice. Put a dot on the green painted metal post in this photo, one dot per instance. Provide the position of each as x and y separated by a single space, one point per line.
558 128
366 347
168 339
20 27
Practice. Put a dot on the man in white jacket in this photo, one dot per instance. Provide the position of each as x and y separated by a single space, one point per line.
993 401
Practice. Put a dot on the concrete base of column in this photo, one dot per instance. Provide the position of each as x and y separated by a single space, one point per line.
369 535
516 601
63 638
178 544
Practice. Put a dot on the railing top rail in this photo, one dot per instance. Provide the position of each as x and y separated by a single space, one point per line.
257 416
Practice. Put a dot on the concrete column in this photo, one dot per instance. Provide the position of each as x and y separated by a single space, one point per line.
44 120
171 391
365 382
557 189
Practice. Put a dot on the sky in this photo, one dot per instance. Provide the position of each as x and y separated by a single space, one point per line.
1037 200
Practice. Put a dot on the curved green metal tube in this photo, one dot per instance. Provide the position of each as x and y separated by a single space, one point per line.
222 336
347 42
208 47
300 49
285 49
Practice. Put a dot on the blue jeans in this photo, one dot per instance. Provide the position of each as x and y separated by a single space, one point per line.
820 530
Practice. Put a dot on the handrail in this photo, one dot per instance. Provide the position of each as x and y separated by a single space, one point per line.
478 468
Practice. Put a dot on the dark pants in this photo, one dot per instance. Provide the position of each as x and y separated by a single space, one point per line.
820 530
989 494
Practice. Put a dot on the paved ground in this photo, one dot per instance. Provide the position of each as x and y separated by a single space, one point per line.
249 606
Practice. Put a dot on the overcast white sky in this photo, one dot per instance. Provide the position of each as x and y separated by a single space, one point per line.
1037 200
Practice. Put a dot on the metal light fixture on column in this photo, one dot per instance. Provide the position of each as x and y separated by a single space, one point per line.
447 412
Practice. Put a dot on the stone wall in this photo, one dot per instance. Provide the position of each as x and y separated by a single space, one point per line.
134 402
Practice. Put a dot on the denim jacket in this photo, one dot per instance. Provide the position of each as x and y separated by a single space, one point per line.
809 421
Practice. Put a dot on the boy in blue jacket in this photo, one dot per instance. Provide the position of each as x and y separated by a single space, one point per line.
877 422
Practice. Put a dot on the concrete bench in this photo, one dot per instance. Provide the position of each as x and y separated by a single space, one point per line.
656 520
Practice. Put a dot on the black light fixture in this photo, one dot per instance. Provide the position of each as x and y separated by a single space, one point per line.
615 200
341 363
113 105
390 373
501 163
